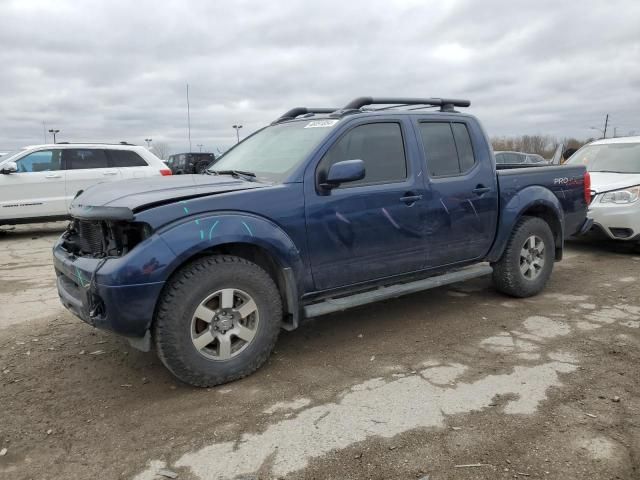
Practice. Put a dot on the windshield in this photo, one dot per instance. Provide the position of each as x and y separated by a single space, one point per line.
274 152
611 157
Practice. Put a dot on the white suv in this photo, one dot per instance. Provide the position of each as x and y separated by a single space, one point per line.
38 182
614 166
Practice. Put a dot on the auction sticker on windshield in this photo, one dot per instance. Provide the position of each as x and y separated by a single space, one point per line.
321 123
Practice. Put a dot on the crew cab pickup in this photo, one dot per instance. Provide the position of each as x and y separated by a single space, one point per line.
323 210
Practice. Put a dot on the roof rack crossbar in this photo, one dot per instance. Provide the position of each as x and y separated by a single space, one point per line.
295 112
446 104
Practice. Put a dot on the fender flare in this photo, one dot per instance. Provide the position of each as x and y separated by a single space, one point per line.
534 200
191 236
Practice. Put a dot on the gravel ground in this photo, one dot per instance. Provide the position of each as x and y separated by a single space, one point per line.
453 383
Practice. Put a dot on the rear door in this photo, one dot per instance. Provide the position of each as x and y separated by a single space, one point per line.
85 167
130 164
370 228
461 197
36 189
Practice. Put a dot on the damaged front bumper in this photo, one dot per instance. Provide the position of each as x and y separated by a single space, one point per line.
123 309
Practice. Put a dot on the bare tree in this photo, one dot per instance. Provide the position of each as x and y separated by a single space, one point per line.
544 145
161 150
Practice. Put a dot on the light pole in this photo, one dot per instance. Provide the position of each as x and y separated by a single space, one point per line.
200 146
237 128
148 140
54 131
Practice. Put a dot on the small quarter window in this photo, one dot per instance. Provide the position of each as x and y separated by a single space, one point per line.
126 158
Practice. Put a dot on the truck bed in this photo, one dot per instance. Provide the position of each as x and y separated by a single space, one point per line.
519 184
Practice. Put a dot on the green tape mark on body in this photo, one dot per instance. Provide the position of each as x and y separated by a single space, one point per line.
248 229
213 227
79 277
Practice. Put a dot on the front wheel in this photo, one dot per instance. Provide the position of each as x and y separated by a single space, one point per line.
527 262
218 320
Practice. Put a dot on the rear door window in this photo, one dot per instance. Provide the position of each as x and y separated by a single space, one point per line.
126 158
80 159
447 147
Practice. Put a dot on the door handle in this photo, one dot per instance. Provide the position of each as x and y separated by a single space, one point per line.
481 189
109 173
53 175
409 198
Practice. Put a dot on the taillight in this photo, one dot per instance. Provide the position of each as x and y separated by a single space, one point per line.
165 171
587 188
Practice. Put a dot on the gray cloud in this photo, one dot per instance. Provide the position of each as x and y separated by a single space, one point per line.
117 70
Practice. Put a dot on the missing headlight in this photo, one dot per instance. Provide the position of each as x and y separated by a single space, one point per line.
100 239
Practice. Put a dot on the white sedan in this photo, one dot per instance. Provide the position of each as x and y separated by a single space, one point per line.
614 167
39 182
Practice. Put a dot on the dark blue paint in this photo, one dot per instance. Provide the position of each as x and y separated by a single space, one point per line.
344 239
346 171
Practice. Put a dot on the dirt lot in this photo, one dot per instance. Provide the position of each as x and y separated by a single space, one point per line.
455 383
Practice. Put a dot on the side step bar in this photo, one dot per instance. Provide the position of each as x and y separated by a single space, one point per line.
332 305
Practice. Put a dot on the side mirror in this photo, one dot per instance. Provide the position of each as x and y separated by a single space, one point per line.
9 167
344 172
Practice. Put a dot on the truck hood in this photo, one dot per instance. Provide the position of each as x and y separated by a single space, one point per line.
121 200
607 181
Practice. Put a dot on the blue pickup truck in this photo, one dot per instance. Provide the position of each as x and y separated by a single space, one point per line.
323 210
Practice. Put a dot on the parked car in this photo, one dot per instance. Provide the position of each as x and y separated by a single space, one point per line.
614 166
186 163
38 182
309 216
515 158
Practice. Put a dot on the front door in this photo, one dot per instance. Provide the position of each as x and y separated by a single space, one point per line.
36 189
371 228
461 195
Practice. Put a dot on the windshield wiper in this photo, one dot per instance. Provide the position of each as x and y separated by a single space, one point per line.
234 173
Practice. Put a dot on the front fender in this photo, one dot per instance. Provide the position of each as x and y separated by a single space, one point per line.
533 198
190 236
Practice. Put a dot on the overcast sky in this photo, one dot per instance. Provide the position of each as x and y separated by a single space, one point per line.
117 70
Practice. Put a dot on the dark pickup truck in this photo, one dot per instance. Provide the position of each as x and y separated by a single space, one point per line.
323 210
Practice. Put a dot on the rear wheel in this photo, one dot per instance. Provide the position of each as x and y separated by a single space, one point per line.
217 321
527 262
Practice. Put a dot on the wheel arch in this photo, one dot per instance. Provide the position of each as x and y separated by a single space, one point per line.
546 213
246 236
532 201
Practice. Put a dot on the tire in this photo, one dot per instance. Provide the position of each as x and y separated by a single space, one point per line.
508 274
180 334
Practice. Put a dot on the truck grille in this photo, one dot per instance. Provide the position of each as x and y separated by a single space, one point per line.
90 238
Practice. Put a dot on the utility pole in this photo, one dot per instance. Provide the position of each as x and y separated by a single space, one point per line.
54 131
188 118
200 146
237 128
606 122
148 140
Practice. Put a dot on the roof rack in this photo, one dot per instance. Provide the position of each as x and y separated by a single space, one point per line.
445 104
295 112
355 105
